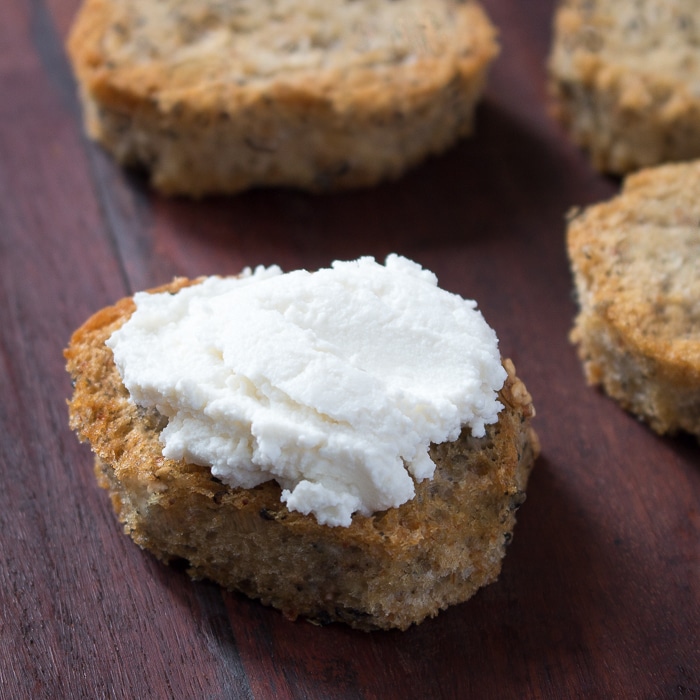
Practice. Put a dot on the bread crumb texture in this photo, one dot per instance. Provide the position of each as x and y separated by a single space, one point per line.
388 570
626 80
320 94
636 266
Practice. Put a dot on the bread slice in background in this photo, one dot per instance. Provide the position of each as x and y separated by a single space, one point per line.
214 97
626 77
388 570
636 266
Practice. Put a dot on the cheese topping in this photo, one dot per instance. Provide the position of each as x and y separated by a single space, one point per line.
333 383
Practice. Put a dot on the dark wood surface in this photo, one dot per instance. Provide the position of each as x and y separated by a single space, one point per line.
599 593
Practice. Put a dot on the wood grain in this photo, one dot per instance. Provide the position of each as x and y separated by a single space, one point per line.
599 593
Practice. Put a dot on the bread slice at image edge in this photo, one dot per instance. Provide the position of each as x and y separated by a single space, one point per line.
203 117
636 267
390 570
624 80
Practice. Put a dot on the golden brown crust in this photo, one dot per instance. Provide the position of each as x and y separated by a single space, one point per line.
388 570
197 97
624 80
636 264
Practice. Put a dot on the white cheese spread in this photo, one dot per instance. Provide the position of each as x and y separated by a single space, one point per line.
333 383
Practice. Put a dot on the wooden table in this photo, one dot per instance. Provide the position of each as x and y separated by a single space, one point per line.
599 594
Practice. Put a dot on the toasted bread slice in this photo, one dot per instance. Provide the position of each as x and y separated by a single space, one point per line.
215 97
388 570
625 79
636 265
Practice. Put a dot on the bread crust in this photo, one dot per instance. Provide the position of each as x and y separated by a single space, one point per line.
192 95
389 570
624 80
636 266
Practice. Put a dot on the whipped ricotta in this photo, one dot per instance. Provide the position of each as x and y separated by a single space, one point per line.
334 383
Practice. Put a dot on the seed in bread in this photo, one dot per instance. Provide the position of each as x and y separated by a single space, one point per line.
625 80
214 97
636 266
386 570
